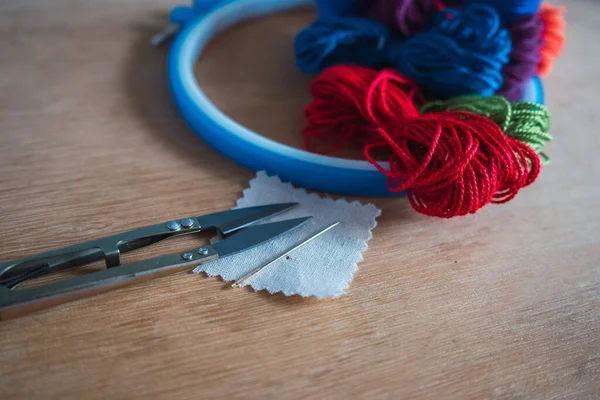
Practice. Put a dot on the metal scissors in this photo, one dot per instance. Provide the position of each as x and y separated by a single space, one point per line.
238 228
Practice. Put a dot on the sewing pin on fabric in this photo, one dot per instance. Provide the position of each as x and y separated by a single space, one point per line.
241 282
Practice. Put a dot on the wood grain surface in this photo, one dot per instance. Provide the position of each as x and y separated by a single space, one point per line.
501 305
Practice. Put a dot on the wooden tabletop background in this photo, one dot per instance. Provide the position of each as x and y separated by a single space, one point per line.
501 305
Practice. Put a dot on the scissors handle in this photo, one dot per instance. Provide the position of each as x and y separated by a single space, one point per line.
14 272
17 302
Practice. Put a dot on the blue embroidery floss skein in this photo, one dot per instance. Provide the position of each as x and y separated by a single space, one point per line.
342 40
338 8
464 52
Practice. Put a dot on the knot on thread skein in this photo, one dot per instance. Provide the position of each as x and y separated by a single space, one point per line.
462 53
404 17
450 163
526 122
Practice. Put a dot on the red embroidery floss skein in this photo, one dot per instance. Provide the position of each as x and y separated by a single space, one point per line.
340 106
449 163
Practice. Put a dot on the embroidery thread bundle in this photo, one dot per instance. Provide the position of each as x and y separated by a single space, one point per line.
524 121
536 33
450 163
464 51
526 34
553 35
343 40
434 89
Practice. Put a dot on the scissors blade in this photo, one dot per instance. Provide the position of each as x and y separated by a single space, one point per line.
232 220
255 235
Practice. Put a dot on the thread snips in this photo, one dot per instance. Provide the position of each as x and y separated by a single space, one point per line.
239 229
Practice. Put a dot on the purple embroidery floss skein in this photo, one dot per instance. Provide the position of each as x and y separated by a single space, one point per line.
527 42
404 17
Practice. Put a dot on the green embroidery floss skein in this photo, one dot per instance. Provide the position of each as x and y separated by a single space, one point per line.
526 122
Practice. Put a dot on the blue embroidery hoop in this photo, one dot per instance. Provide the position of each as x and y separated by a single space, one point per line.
194 27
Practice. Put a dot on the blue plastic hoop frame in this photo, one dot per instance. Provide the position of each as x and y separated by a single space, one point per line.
199 25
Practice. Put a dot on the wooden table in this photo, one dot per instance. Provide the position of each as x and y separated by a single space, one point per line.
501 305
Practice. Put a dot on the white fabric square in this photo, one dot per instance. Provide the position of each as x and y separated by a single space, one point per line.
322 268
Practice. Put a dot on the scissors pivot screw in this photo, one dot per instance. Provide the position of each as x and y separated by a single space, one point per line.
203 251
187 222
174 226
187 256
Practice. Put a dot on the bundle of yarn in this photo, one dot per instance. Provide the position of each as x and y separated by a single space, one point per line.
434 88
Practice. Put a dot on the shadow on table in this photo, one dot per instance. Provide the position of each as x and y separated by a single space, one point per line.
146 82
278 298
